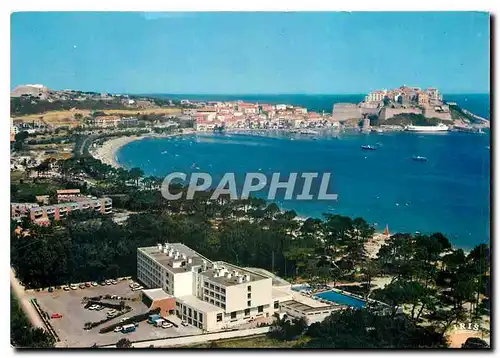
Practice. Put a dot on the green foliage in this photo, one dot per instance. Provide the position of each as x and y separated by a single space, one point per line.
123 343
22 333
286 328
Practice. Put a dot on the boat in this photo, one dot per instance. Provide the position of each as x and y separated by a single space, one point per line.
368 147
418 158
439 128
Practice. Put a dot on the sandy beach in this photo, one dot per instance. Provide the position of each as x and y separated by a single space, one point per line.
106 152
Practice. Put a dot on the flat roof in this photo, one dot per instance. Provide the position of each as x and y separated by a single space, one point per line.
162 258
198 304
303 307
220 271
277 281
156 294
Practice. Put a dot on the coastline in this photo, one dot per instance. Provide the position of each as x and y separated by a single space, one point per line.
106 152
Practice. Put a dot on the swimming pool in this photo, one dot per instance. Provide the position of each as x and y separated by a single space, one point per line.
341 299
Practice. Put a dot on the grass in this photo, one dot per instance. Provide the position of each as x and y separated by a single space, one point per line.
254 342
67 117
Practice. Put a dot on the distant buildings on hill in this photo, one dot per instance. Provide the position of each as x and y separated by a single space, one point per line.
389 103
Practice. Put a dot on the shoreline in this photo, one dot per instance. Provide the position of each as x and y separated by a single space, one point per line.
106 152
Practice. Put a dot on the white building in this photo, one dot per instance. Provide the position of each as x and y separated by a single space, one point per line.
209 295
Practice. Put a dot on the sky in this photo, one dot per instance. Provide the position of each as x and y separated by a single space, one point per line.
251 53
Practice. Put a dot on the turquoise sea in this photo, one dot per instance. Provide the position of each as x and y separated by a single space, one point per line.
449 193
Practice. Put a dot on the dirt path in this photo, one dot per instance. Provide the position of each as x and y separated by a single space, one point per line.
24 302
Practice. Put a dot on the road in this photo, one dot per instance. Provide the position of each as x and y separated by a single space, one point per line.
24 302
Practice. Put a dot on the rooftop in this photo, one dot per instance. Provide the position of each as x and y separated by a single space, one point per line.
156 294
226 274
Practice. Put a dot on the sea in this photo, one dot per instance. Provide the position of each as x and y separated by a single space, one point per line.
449 193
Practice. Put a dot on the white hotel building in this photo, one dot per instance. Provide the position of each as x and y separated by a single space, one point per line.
217 295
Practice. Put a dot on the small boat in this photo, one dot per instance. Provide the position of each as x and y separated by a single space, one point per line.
418 158
164 152
368 147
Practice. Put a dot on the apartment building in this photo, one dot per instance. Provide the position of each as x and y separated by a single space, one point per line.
209 295
42 214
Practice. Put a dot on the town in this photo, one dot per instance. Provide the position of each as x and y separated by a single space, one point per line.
101 259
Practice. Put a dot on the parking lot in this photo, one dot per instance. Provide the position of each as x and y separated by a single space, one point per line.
74 316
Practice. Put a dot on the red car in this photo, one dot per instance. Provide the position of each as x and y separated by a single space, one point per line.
87 284
56 315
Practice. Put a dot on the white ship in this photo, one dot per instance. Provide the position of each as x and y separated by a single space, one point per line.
439 128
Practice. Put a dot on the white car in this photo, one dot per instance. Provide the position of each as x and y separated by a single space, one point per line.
132 285
124 319
66 288
184 323
137 288
118 329
74 287
167 325
94 284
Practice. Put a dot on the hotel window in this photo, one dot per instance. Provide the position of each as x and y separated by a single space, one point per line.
249 296
219 317
211 301
249 288
206 292
200 326
233 315
206 284
190 321
217 296
190 312
247 312
223 290
223 306
177 304
276 304
260 309
200 317
211 286
249 303
195 315
184 309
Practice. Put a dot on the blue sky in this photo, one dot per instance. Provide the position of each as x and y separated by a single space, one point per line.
242 53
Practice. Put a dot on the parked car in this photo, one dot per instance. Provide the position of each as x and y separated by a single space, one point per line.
137 288
73 287
82 286
66 288
56 315
114 297
132 284
100 308
124 319
94 284
108 282
87 284
51 289
118 329
167 325
184 323
114 282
